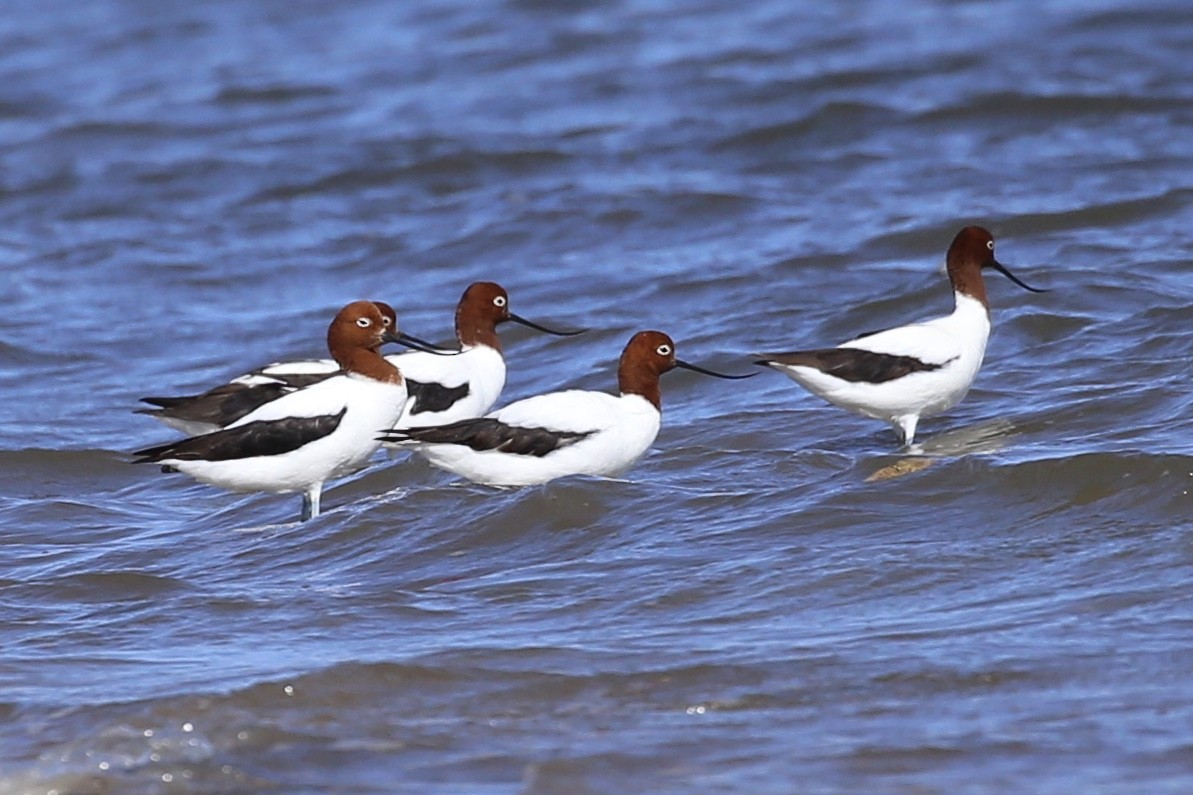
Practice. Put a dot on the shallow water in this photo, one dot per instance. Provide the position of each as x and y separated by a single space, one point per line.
773 600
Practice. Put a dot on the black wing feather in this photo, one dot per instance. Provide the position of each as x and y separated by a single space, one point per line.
225 404
854 364
486 433
261 438
221 406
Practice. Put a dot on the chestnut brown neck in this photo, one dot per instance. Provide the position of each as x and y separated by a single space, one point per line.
638 377
971 250
476 328
967 280
370 363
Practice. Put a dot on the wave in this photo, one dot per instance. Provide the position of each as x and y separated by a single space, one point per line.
440 168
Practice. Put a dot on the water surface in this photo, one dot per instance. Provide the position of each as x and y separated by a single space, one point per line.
191 190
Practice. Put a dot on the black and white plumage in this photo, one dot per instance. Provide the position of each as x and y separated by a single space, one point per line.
905 373
443 385
259 437
858 365
304 438
219 407
434 398
561 433
490 433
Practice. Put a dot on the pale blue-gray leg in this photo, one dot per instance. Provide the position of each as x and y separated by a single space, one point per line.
905 426
310 501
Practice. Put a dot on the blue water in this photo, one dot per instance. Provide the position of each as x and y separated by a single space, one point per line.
773 600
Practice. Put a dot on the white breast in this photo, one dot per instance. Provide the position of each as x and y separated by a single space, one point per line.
482 368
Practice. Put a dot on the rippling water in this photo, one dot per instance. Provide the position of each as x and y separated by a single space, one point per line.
773 600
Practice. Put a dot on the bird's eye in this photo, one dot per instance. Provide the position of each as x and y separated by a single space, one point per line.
386 321
499 301
663 350
990 244
363 322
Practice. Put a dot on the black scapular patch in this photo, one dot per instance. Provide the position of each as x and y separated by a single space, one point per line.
853 364
261 438
433 396
486 433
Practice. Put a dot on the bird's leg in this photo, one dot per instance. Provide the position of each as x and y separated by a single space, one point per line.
905 426
310 501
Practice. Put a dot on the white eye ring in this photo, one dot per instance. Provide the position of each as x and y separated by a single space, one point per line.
663 350
386 321
363 322
990 244
499 301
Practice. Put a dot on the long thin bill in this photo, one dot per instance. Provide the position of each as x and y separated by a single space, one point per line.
998 266
537 327
696 369
402 338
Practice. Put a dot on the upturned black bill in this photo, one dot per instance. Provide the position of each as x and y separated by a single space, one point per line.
998 266
537 327
402 338
696 369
